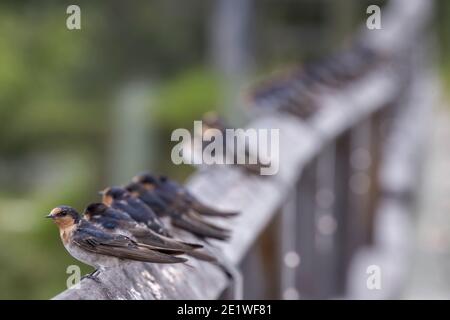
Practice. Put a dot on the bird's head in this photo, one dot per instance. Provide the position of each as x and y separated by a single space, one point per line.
112 193
147 180
135 189
211 120
95 209
64 216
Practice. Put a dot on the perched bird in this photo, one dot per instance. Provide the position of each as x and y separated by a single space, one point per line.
151 198
95 247
211 120
354 62
113 220
116 221
119 198
291 92
178 211
172 191
295 92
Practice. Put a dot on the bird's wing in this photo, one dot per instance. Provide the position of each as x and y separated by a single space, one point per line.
119 246
151 219
208 211
198 228
201 255
147 236
117 214
140 234
154 202
196 217
105 222
205 210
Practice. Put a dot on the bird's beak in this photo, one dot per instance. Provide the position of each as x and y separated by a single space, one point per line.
101 192
50 216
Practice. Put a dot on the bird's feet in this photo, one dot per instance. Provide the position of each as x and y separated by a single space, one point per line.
93 276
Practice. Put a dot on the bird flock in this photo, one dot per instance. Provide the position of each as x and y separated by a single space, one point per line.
212 120
127 225
295 92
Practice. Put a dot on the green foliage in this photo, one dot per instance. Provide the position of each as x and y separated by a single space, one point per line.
442 26
56 91
187 97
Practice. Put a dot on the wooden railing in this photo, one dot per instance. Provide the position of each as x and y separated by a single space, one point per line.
302 231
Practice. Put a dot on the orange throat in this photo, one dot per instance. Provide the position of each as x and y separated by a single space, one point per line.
66 227
149 186
108 200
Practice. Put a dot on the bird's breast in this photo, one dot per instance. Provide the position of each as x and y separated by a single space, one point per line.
66 233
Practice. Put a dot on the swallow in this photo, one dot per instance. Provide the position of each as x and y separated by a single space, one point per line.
151 198
292 92
119 198
211 120
172 191
321 73
295 92
110 218
116 221
99 249
353 63
199 227
178 211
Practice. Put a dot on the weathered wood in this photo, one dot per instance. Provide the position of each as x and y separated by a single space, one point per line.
399 178
260 197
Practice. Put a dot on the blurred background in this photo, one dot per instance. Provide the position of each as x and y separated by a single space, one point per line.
88 108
